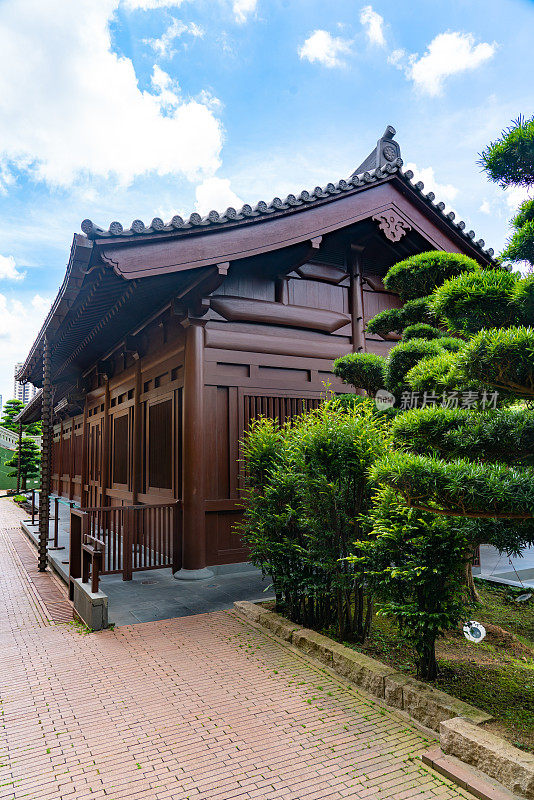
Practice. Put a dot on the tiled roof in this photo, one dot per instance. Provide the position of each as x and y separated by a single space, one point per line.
388 166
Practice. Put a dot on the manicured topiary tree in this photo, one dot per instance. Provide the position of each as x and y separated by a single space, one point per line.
30 459
509 161
463 472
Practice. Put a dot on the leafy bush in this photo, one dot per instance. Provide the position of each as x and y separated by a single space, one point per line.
523 298
459 488
395 320
414 564
510 159
520 247
306 488
421 331
502 358
505 435
434 374
20 498
403 357
417 276
362 370
473 301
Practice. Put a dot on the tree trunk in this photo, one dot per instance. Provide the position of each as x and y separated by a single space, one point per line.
469 582
427 666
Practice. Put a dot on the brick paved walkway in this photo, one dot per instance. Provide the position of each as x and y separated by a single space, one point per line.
198 707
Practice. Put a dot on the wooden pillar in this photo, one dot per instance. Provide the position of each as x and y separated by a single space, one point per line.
60 460
104 471
136 435
356 296
46 452
19 457
71 460
193 490
83 469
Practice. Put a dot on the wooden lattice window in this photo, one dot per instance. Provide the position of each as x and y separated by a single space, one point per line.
276 407
160 444
120 449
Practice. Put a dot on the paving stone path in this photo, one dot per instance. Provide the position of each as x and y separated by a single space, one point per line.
199 707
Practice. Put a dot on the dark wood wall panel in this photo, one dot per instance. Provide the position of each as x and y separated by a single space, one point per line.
218 466
224 545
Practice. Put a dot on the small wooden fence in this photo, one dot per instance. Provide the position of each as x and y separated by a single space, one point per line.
133 538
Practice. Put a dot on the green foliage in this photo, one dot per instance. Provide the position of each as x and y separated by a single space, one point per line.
421 331
413 563
510 159
502 358
523 298
30 459
9 412
434 374
505 435
306 487
460 488
520 246
11 409
417 276
19 498
524 215
403 357
451 344
362 370
476 300
395 320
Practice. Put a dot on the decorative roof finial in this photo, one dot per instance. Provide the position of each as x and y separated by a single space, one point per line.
387 151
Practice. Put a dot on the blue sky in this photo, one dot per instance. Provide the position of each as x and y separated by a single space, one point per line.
125 109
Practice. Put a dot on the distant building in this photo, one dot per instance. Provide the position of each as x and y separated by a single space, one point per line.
21 391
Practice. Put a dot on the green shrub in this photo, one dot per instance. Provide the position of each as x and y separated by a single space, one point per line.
473 301
395 320
421 331
417 276
20 498
306 488
362 370
414 565
403 357
459 487
520 247
510 159
434 374
501 358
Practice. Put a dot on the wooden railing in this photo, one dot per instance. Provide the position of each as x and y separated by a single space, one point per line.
133 538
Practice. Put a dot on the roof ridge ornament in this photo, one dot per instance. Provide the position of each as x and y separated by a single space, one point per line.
387 151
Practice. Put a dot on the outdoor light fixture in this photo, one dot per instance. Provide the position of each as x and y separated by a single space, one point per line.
474 631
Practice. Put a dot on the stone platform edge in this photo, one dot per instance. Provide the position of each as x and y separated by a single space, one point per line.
455 721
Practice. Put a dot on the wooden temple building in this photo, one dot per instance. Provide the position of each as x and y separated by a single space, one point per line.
165 340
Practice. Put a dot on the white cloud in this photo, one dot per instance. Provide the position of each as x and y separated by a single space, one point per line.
514 196
70 107
485 207
19 325
148 5
163 46
374 26
8 269
216 193
396 57
447 54
321 46
445 192
242 8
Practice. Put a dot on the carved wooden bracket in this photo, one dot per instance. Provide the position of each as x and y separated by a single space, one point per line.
392 225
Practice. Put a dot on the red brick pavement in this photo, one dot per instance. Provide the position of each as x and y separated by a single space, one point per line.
197 707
